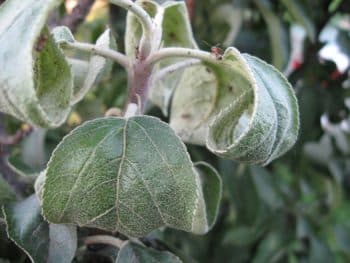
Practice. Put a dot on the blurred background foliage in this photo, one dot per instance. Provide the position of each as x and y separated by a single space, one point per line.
295 210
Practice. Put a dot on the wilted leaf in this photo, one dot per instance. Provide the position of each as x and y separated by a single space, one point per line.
240 107
134 253
39 240
132 175
35 82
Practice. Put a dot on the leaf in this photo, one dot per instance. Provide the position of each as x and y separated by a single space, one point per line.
39 240
240 107
210 195
134 253
320 152
176 32
301 17
97 67
277 33
232 16
131 175
6 192
33 149
62 34
35 82
266 187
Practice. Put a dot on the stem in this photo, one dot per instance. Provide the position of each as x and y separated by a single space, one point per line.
139 84
172 68
141 14
104 52
104 239
171 52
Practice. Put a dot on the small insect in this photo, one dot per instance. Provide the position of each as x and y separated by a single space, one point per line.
40 44
217 52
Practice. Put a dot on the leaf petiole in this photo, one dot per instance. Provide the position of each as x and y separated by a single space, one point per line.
172 52
104 239
104 52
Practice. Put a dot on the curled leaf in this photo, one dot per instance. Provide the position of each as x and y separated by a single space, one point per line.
240 107
35 82
131 175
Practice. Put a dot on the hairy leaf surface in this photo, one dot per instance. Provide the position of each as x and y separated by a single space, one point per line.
35 82
240 107
131 175
41 241
131 252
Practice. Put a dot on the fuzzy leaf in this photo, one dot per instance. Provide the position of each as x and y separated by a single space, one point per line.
62 34
96 68
176 32
131 175
39 240
240 107
134 253
211 189
35 82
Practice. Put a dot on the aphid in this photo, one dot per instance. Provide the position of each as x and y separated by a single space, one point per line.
217 52
40 44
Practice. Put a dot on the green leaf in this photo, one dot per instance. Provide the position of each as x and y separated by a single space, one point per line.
97 67
35 82
240 107
277 33
210 195
6 192
131 175
176 32
299 14
134 253
266 187
39 240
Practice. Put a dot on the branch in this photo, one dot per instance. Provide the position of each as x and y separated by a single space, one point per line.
79 12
